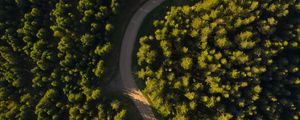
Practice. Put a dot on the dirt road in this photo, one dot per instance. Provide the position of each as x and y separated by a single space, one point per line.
129 38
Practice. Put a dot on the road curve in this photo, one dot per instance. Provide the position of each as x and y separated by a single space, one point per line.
126 57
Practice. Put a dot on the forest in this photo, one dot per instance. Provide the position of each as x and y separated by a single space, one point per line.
206 60
224 59
52 60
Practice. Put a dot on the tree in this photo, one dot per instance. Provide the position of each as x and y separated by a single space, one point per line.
102 50
186 63
87 39
96 94
115 105
121 115
108 27
99 70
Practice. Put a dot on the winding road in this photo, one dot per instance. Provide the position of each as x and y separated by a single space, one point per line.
127 79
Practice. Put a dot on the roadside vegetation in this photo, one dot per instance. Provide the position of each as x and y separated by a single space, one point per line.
223 60
147 28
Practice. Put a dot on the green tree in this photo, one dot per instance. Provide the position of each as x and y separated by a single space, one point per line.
186 63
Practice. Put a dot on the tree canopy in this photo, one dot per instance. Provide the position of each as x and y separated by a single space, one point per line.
52 59
224 59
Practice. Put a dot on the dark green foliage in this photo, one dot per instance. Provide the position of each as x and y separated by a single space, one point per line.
51 59
224 59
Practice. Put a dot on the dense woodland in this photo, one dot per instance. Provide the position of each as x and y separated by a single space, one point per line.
52 59
224 59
